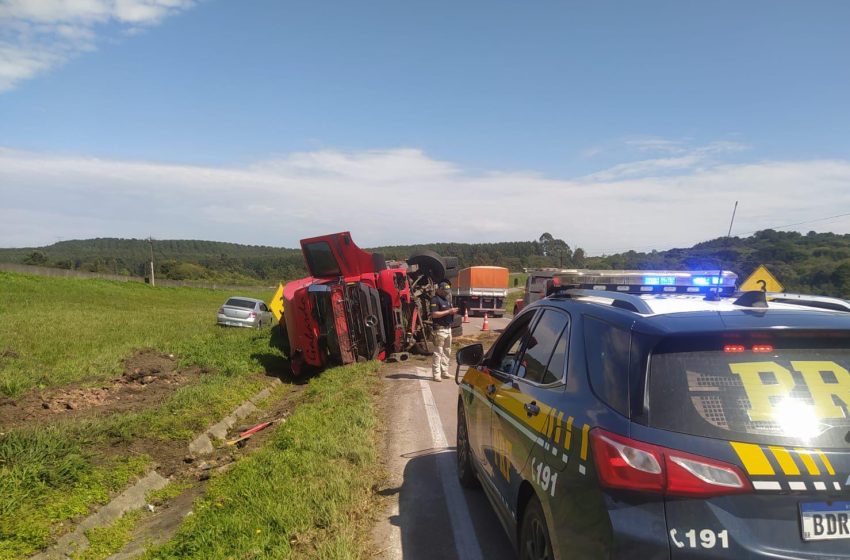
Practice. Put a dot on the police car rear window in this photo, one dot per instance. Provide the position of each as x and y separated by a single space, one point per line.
778 389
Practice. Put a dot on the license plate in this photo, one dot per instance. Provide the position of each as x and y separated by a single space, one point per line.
825 520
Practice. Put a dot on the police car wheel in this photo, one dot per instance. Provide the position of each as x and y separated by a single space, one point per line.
534 541
465 469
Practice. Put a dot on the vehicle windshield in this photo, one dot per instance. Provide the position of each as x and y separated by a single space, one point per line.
784 390
320 259
237 302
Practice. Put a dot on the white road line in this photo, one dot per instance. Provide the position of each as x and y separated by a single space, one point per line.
394 550
466 542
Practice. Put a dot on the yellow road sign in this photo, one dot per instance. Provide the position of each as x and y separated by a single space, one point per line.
762 280
276 304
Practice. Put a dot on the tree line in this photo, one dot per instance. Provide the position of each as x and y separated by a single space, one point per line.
816 263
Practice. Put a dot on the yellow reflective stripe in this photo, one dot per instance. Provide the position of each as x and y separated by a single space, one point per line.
584 431
826 462
754 459
569 439
559 427
551 429
811 466
785 460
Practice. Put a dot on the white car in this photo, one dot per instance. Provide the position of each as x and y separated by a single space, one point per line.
244 312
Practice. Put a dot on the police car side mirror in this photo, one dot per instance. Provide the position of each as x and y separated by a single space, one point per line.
468 356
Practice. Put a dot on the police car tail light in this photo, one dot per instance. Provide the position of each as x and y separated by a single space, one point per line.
695 476
624 463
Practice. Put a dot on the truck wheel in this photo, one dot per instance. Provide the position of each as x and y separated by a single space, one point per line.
534 541
465 469
430 264
280 339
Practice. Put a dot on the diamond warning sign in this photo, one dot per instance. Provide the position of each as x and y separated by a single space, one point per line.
276 304
763 281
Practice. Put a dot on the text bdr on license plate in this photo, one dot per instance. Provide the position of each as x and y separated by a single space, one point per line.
822 520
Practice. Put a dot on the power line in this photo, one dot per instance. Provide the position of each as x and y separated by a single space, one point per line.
799 223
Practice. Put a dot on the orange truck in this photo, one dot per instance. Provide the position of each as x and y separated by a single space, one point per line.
481 289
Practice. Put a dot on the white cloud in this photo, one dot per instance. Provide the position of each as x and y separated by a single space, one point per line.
38 35
678 156
656 144
404 196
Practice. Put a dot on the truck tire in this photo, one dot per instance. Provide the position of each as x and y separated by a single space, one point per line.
430 265
280 339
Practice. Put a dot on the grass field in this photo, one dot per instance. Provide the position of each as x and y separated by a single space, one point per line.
307 494
62 330
56 331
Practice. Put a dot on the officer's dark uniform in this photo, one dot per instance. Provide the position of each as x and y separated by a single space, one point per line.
442 334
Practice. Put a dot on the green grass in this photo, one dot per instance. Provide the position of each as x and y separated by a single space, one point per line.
55 331
307 493
52 481
520 278
169 492
105 541
511 299
60 330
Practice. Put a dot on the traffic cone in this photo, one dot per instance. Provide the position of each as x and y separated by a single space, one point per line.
486 325
465 315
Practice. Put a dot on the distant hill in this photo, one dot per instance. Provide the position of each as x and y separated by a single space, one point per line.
814 262
174 259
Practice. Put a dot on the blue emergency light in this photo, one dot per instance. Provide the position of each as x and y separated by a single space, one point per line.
721 283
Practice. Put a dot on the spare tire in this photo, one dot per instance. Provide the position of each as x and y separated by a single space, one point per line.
429 264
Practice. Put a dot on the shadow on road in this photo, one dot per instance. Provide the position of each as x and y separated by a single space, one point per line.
424 520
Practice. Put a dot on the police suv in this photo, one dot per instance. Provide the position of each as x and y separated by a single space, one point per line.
661 415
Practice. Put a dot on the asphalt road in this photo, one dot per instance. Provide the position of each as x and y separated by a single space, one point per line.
427 514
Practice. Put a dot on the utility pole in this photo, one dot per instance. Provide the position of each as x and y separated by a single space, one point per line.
150 241
733 219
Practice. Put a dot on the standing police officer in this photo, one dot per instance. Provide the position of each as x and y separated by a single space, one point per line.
442 317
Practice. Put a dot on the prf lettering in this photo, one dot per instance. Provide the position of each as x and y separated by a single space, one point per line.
763 380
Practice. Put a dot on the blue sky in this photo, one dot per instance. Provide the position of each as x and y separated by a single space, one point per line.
629 112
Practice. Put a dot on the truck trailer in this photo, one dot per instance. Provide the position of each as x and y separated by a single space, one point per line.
481 289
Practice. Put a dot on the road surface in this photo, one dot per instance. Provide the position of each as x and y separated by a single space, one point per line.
427 514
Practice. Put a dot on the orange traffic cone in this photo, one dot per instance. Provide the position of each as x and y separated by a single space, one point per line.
486 325
465 315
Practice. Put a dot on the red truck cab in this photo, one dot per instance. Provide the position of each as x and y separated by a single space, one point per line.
350 307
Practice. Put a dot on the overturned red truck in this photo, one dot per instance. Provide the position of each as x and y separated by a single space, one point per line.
355 306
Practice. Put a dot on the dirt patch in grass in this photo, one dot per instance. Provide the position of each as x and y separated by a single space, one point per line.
486 338
148 378
193 474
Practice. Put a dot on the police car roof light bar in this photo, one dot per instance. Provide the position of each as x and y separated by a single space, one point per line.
649 282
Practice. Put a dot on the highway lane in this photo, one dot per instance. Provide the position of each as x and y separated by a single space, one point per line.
426 514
